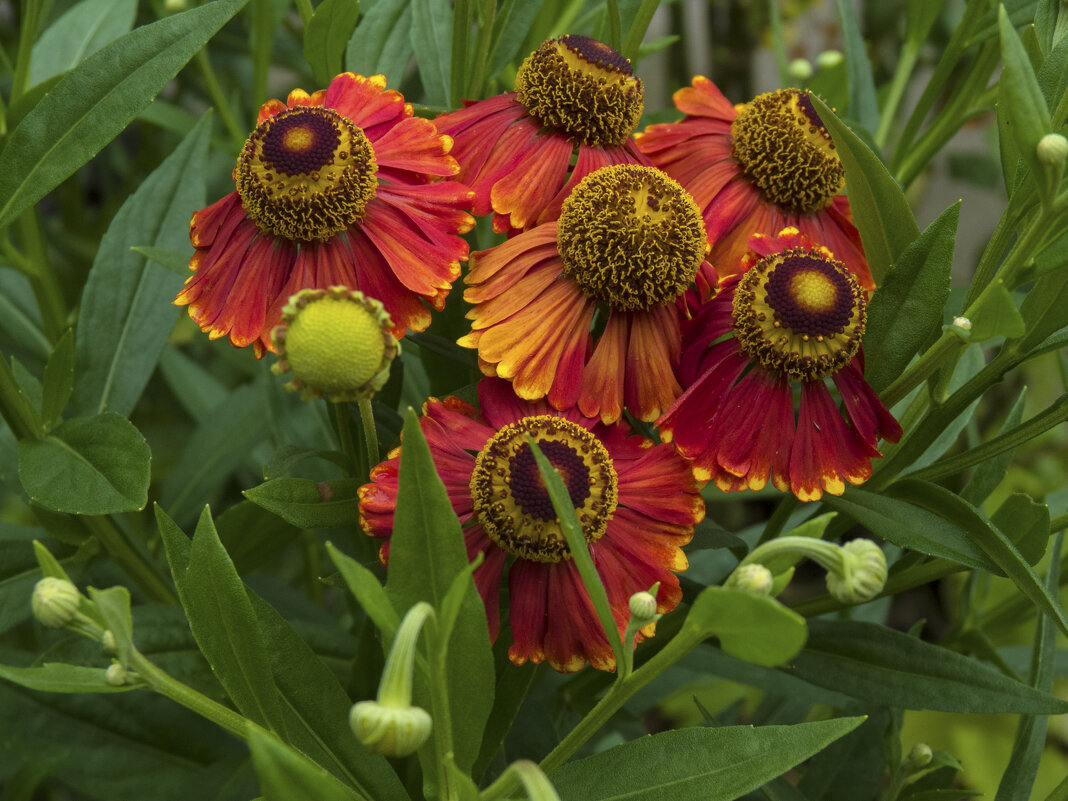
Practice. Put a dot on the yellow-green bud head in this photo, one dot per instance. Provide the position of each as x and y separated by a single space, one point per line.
337 342
963 323
800 69
390 730
829 59
643 607
919 757
55 601
863 573
115 675
1052 149
107 639
752 578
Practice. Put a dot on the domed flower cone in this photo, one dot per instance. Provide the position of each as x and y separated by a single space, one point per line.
340 187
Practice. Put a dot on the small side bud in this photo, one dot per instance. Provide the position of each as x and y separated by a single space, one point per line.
55 602
919 757
862 575
643 607
389 730
800 69
963 323
752 578
107 639
1052 150
829 59
174 6
116 675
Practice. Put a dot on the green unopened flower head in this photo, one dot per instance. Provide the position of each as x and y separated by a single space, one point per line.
337 342
55 602
116 675
1052 149
800 69
752 578
919 757
391 725
643 607
829 59
862 575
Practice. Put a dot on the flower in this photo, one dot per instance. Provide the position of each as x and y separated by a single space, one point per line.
515 149
628 244
757 167
337 342
337 187
638 504
794 317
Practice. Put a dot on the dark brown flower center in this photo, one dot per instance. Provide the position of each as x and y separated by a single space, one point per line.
801 313
785 150
510 498
582 87
306 174
631 237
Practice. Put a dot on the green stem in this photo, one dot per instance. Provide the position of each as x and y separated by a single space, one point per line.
185 695
304 8
15 407
370 435
777 522
218 99
906 63
129 558
482 48
439 701
30 22
346 439
921 370
44 281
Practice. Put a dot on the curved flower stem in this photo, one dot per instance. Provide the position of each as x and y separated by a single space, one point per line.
346 439
370 435
218 99
439 702
898 84
131 560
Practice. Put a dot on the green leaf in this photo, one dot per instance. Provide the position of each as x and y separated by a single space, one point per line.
369 593
327 36
177 263
431 34
261 42
81 31
315 708
225 626
58 380
994 315
1030 740
909 527
126 314
988 474
1045 309
382 41
253 536
510 26
1026 523
886 667
426 553
1026 115
994 543
852 766
113 605
755 628
88 465
59 677
580 549
286 774
880 210
308 504
702 764
907 307
95 101
862 104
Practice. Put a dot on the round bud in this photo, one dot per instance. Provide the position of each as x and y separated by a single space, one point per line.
643 607
390 730
55 601
115 675
174 6
752 578
107 639
963 323
1052 149
919 757
863 574
829 59
800 69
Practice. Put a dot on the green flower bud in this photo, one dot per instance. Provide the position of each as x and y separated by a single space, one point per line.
752 578
919 757
800 69
963 323
55 602
534 781
107 639
643 607
390 730
1052 149
862 575
337 343
829 59
116 675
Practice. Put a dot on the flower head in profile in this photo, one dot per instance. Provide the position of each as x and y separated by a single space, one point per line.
792 320
757 167
627 246
335 188
637 503
574 96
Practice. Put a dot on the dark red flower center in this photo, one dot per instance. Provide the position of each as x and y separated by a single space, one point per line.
300 143
511 500
809 296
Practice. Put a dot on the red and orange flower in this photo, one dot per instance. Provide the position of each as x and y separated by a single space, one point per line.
794 318
756 168
628 245
340 187
574 96
637 503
